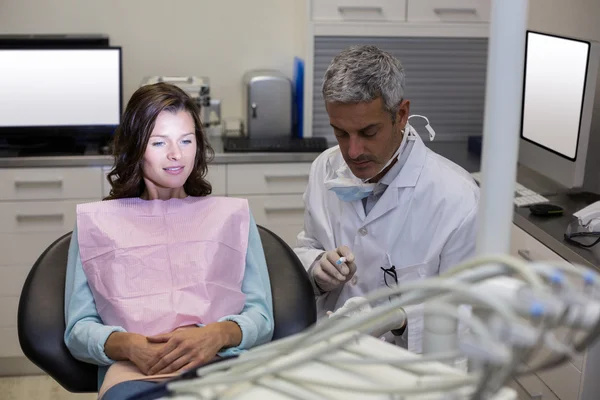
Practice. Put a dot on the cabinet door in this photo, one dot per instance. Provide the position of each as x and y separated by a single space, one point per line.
525 246
37 216
9 342
105 184
50 183
563 380
521 393
283 214
28 228
12 279
463 11
217 176
534 389
261 179
358 10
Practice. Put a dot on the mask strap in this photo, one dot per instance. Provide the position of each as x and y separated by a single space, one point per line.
428 127
411 132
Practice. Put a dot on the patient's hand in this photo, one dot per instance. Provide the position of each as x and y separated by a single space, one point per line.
189 347
142 353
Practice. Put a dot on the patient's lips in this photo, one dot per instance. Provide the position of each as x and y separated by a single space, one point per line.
174 170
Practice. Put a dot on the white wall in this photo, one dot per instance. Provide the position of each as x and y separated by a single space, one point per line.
220 39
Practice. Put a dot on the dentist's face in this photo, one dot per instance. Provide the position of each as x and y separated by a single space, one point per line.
366 134
170 154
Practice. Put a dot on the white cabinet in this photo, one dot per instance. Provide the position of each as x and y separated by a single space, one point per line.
567 381
266 178
105 184
274 193
217 176
530 387
400 11
525 246
462 11
283 214
50 183
37 206
358 10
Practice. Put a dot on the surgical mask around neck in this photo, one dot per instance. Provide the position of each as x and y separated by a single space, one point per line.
350 188
427 126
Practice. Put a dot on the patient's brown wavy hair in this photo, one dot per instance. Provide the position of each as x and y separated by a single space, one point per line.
132 135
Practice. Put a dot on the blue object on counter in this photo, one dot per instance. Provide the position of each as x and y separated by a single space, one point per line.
298 97
474 144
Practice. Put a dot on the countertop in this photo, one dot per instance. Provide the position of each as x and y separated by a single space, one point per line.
548 231
92 158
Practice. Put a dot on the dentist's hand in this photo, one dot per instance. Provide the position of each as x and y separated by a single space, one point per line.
328 275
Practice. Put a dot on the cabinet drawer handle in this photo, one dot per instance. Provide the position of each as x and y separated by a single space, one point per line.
283 208
455 11
33 217
532 396
525 254
373 9
38 182
270 177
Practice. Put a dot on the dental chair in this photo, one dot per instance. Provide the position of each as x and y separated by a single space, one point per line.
41 321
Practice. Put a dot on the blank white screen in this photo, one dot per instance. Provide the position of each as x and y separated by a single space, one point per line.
59 87
554 89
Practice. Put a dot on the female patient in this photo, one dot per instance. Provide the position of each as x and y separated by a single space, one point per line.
160 277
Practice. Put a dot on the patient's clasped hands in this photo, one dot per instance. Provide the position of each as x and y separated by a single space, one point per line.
184 348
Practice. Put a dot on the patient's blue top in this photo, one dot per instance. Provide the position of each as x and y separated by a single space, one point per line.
85 334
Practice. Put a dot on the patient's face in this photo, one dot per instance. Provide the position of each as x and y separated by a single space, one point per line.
170 155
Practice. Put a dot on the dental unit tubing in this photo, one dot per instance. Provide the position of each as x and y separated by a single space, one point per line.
440 333
582 313
396 321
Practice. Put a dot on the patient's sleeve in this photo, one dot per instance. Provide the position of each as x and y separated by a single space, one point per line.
256 318
85 334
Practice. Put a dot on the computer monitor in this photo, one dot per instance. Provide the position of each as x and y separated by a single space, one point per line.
558 98
53 40
59 91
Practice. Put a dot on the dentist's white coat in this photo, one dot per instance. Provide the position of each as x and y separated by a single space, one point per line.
424 223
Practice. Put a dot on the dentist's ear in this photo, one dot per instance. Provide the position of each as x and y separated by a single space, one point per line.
403 113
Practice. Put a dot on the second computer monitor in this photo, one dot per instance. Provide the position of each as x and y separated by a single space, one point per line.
558 97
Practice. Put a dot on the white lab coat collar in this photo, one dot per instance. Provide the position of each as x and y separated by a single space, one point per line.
407 177
410 172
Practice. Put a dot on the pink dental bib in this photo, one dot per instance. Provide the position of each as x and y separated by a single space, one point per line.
154 266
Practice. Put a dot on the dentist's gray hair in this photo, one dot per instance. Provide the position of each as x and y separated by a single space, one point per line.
362 74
